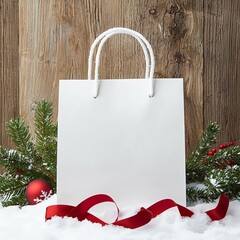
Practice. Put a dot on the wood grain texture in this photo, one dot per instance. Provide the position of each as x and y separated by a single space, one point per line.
9 65
221 67
179 51
55 38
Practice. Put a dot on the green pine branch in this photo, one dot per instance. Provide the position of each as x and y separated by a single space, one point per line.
46 137
215 173
34 156
46 134
12 160
224 155
195 194
19 133
225 181
12 190
195 167
206 142
208 175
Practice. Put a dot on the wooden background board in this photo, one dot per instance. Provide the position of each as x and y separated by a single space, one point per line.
56 37
222 66
9 65
197 40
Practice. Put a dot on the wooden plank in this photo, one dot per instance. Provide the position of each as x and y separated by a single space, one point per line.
179 50
9 65
221 67
56 37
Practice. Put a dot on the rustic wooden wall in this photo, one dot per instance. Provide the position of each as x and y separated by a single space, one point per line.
9 65
194 39
222 66
56 37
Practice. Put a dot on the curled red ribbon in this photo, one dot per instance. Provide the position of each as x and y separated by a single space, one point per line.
144 216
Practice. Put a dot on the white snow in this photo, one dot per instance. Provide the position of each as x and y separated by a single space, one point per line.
28 223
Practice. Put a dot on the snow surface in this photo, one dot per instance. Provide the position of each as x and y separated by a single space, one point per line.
29 223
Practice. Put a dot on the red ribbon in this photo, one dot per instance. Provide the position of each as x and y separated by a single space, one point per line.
144 216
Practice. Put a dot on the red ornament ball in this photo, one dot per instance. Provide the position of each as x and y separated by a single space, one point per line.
231 143
38 190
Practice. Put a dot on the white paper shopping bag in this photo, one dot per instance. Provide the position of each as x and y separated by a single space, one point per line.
124 138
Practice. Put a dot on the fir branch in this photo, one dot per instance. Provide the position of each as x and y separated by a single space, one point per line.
29 161
207 140
20 135
44 171
43 122
222 175
12 189
196 195
195 171
232 153
12 160
15 163
195 167
46 135
225 181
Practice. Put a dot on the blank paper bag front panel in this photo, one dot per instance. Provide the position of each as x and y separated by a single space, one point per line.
122 143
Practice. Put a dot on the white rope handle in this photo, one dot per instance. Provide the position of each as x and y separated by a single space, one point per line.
146 54
147 74
107 34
